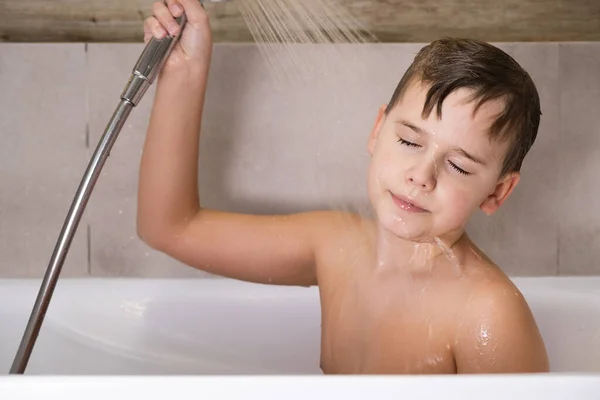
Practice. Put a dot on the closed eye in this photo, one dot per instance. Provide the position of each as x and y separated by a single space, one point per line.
407 143
457 168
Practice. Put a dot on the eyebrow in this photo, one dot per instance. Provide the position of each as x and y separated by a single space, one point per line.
457 149
469 156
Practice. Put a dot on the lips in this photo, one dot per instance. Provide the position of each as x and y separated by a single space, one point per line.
407 204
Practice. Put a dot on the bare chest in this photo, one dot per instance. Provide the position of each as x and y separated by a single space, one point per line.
385 327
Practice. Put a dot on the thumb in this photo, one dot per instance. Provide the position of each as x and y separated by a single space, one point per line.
195 12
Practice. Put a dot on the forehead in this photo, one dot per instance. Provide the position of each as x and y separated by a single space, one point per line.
459 122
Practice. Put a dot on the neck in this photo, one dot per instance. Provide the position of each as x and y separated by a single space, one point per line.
397 253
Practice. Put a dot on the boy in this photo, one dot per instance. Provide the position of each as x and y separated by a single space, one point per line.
407 292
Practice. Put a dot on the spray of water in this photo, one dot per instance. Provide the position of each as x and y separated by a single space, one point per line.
279 26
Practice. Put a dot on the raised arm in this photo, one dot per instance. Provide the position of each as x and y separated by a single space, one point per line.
267 249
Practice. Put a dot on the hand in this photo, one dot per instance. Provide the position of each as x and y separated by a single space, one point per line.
194 47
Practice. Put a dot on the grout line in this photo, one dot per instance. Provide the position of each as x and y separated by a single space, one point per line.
559 161
87 146
87 98
89 249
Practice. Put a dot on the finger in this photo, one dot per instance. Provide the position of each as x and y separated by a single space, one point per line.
147 26
175 8
154 28
195 13
147 30
147 37
164 16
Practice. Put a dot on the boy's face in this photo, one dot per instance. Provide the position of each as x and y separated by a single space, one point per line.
427 177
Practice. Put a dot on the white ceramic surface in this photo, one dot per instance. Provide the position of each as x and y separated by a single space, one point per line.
221 326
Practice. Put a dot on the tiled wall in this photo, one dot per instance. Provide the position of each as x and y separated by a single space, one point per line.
272 146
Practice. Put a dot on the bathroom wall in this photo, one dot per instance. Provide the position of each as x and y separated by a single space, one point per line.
272 146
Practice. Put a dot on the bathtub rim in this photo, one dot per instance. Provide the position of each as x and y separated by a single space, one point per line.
464 387
572 286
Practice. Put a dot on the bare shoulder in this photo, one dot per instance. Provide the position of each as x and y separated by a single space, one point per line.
333 230
341 239
333 226
497 332
325 225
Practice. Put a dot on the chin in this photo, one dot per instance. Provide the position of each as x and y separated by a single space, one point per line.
403 227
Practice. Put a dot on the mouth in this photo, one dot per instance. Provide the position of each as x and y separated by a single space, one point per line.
407 204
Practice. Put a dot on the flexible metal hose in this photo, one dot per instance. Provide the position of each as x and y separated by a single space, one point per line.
143 75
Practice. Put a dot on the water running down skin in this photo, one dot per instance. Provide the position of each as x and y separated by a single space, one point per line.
386 307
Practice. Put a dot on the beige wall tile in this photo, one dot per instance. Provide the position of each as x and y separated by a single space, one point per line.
42 155
579 146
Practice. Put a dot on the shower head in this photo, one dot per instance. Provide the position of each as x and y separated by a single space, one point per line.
151 61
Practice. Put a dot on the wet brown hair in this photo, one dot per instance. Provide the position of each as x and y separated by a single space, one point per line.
449 64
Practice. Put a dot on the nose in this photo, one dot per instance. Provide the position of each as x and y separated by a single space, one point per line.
422 176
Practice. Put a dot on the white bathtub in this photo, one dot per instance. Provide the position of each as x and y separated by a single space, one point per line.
101 326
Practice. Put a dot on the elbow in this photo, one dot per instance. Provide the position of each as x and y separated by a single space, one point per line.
149 239
164 239
161 233
149 229
152 236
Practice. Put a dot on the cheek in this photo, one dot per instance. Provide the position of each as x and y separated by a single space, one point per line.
388 163
379 167
462 201
465 199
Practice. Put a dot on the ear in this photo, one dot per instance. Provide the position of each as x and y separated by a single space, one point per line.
376 128
501 192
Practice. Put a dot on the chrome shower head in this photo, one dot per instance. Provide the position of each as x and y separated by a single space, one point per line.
151 61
